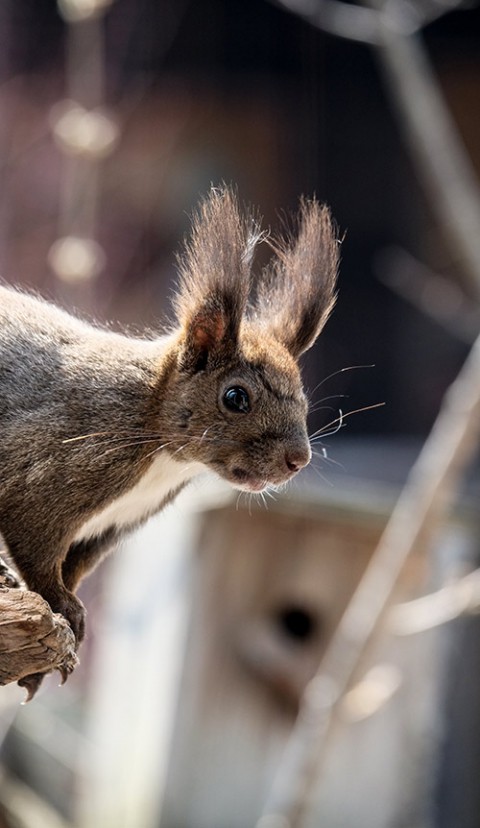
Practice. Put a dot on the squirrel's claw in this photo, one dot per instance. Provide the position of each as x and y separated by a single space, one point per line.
65 670
31 685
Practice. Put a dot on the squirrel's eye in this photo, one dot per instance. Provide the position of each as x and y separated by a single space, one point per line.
236 399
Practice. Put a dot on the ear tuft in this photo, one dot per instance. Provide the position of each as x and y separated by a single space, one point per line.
297 291
215 274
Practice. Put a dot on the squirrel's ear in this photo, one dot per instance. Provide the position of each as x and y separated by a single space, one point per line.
215 278
297 292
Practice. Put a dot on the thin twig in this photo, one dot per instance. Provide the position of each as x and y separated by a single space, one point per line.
432 293
461 597
365 25
435 146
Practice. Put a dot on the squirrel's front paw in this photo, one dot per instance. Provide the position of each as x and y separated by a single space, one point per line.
73 610
8 578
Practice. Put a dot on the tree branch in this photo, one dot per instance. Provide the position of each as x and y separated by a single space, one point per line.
33 640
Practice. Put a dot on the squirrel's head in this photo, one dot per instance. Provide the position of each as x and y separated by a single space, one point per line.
238 404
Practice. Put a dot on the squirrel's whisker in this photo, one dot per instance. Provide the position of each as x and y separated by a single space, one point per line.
339 420
322 455
117 435
336 373
88 436
321 432
317 406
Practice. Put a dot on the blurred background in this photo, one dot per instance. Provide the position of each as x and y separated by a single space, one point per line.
116 117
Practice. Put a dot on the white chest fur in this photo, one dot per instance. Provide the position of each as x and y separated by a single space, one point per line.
163 476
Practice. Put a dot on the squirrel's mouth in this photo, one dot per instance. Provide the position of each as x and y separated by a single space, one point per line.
247 482
242 479
250 481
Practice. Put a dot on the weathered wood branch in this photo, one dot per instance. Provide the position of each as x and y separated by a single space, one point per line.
33 640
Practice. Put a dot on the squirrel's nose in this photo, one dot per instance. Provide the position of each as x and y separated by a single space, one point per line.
297 458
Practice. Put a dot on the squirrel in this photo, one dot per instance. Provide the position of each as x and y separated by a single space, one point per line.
100 430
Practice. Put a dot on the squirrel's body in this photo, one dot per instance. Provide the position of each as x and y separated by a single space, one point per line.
98 431
56 379
60 379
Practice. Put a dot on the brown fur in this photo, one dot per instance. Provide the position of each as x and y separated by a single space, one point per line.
297 293
88 416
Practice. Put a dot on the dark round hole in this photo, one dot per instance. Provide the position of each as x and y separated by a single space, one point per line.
297 623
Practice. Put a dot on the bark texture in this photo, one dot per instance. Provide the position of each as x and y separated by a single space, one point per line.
33 640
